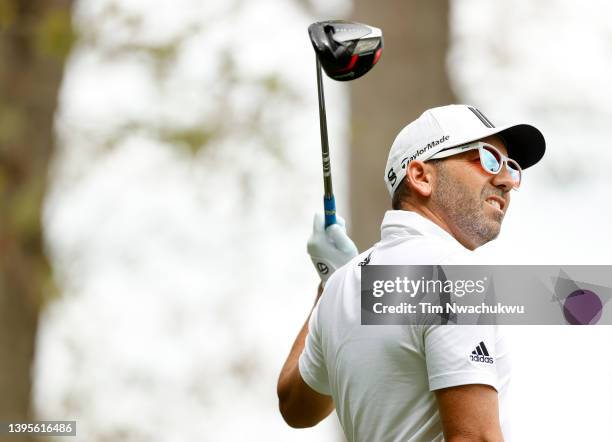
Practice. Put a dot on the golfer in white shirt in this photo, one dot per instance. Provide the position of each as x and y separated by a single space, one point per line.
449 174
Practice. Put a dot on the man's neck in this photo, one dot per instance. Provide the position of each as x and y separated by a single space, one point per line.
438 220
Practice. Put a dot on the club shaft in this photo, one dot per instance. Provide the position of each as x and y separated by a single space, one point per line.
329 202
327 177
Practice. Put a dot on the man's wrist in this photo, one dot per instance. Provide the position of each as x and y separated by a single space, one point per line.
319 291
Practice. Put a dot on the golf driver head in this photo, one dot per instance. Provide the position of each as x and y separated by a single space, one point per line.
346 50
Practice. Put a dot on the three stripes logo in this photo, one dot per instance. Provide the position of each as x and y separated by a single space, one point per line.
481 354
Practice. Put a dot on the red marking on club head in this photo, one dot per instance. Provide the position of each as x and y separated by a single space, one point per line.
351 64
377 56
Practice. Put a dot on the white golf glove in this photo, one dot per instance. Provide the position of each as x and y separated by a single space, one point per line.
329 248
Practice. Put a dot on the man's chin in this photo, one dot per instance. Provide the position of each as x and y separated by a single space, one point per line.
490 227
493 229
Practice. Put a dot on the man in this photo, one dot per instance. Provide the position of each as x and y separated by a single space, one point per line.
449 174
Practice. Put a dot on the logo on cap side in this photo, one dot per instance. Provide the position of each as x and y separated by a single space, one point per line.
422 150
392 177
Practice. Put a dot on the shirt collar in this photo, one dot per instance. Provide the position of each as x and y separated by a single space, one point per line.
402 222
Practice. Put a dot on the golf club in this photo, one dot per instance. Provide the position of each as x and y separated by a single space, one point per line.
346 51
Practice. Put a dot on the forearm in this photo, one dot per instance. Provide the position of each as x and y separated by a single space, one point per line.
291 364
299 405
329 248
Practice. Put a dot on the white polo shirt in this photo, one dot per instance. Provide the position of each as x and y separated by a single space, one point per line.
382 377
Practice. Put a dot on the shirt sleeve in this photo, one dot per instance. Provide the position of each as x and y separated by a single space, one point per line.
312 363
461 355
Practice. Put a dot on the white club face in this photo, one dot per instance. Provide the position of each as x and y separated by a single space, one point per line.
346 32
375 32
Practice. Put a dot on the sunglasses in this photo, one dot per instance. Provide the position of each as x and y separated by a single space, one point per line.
491 159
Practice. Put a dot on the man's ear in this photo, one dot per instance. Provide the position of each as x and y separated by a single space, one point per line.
420 178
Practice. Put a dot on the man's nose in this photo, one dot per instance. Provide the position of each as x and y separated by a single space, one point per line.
503 179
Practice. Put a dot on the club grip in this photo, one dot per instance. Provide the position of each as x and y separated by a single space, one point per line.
329 204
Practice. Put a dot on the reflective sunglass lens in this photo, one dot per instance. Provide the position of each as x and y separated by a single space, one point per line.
490 160
515 173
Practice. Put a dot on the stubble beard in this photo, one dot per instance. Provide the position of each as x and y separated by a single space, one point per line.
466 210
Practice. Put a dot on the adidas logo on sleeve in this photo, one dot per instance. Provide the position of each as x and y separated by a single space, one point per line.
481 354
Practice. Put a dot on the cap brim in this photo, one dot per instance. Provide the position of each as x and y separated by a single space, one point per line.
525 144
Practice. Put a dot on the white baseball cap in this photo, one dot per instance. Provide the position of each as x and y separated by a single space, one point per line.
454 125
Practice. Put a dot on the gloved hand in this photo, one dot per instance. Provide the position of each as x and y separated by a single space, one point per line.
329 248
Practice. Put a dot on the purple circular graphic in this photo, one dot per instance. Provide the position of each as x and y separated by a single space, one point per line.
582 307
